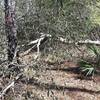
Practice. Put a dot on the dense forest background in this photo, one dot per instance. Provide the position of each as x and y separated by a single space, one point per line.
67 23
71 19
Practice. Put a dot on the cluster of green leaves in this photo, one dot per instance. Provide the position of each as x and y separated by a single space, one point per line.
87 68
95 50
90 67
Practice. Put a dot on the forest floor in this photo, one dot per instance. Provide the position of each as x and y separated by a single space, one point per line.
47 80
58 81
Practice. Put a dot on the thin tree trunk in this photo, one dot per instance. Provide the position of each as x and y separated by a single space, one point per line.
10 28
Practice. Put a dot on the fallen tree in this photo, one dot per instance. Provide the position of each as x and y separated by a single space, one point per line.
36 44
97 42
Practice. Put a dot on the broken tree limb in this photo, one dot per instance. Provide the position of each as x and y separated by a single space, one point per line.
97 42
10 85
89 42
36 43
27 51
41 38
33 42
38 46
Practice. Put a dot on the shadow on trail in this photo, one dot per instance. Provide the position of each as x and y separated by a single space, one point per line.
53 86
75 70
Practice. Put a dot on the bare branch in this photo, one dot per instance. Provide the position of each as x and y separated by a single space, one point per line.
97 42
10 85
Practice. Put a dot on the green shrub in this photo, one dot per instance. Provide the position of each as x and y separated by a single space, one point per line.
89 67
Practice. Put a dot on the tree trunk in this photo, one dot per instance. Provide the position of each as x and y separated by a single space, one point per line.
10 28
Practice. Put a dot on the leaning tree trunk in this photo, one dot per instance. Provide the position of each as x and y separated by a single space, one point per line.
10 28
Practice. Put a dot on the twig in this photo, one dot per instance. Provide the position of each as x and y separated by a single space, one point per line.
10 85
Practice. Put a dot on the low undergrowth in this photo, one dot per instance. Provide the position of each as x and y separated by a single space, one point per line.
91 66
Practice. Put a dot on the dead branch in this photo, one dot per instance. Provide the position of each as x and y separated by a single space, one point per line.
10 85
37 43
88 42
97 42
40 39
27 51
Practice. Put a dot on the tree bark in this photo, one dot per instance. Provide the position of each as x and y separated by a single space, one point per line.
10 28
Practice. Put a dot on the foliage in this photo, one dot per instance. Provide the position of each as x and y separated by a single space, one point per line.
95 50
90 67
69 18
87 68
72 19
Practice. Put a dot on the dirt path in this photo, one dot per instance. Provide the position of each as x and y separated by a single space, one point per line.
59 83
